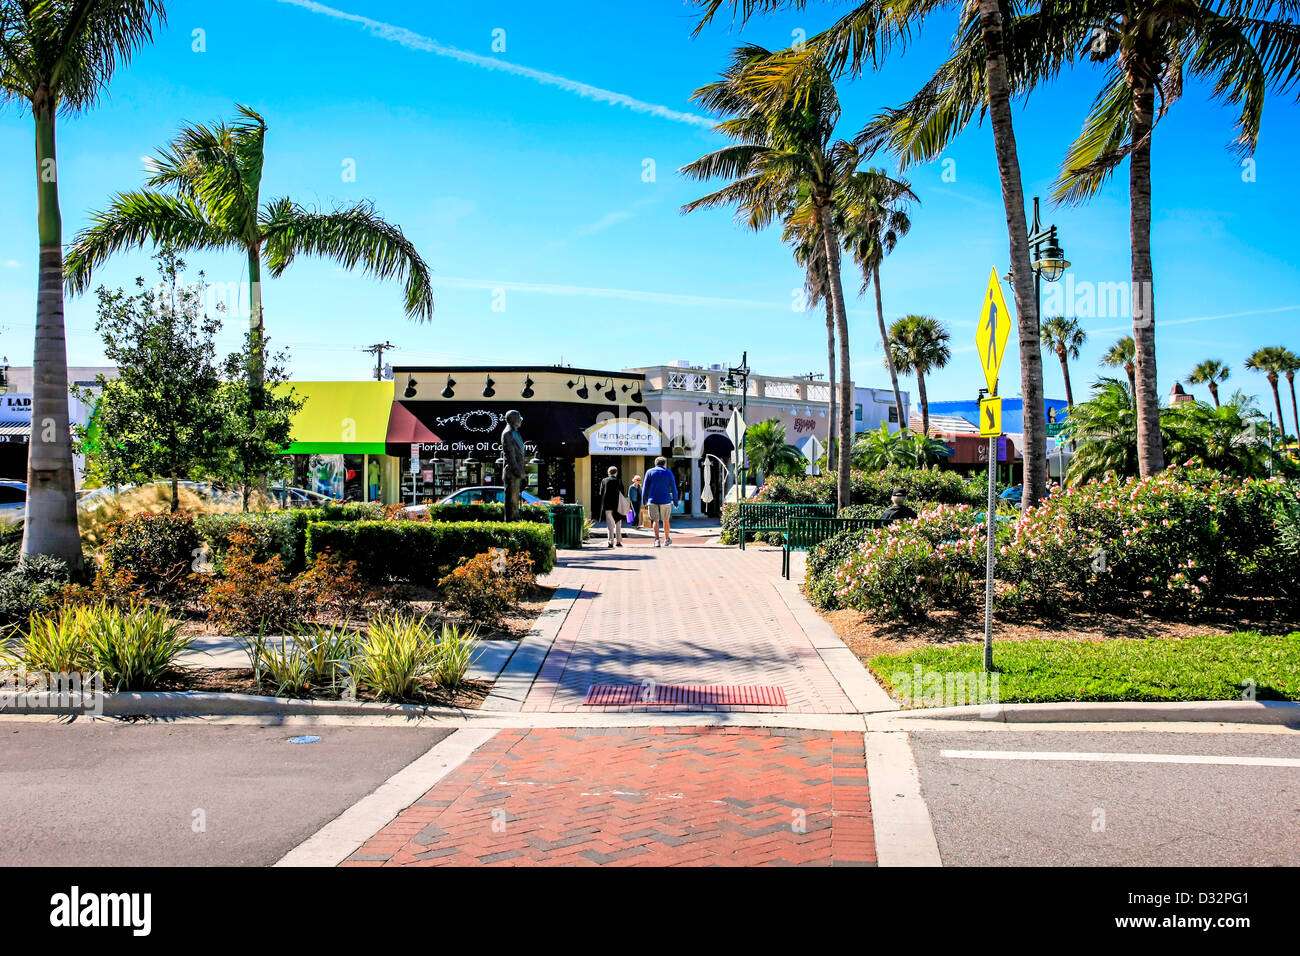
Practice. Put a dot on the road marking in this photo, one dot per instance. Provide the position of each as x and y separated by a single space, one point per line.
1121 757
899 816
342 836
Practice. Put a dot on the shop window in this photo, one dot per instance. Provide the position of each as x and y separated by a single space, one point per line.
893 414
857 413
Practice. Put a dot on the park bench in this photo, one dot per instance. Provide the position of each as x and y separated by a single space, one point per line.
802 534
755 517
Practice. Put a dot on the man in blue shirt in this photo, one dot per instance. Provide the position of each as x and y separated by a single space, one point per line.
660 490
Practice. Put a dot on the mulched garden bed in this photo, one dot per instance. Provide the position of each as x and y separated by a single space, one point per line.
867 637
239 680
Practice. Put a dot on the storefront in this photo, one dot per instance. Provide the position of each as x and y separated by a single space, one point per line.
452 418
339 445
15 435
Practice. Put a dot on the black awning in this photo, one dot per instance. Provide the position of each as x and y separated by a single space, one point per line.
550 429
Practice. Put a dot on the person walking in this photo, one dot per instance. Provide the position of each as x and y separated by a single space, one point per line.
660 491
612 503
634 496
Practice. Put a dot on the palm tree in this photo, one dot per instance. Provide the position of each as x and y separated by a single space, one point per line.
919 344
875 218
1105 427
204 192
1212 373
769 453
56 57
784 157
1121 355
1221 437
865 35
810 252
1064 337
1291 365
1272 361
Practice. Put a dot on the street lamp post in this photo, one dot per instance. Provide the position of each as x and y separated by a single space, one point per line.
1046 259
741 370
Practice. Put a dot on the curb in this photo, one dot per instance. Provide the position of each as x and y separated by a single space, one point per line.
204 704
1202 711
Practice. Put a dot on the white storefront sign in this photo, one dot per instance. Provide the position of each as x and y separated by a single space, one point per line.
624 436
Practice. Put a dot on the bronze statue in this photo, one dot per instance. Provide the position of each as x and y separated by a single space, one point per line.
515 470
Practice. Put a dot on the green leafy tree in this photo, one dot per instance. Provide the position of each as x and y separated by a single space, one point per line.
56 58
1224 437
204 193
159 417
1064 338
1211 373
1272 360
919 344
1105 428
784 156
881 448
769 453
252 443
1122 355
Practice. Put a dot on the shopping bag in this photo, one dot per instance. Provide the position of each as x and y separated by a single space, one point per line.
631 517
623 504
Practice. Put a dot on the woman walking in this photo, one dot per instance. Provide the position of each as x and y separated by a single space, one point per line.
634 497
612 503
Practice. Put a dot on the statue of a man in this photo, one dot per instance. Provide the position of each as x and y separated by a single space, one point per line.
516 469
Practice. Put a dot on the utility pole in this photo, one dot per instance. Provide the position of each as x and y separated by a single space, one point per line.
378 350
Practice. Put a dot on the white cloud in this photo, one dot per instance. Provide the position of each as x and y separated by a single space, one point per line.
416 41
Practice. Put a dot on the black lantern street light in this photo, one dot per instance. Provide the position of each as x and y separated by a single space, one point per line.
729 385
1046 259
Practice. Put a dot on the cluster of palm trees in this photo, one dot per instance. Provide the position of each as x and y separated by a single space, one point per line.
780 107
56 58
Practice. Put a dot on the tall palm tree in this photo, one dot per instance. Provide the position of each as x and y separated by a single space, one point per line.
810 252
864 35
784 156
56 57
1211 373
1122 355
1272 361
919 344
1291 365
204 192
769 453
1105 428
1064 337
875 218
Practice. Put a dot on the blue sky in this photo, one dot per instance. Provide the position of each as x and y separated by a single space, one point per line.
523 170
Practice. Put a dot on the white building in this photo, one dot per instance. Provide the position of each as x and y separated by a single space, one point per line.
872 406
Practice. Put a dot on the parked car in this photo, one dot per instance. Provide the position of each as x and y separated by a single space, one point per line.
13 499
478 494
298 497
1013 495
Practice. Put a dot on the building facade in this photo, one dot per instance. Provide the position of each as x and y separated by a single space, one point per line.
873 407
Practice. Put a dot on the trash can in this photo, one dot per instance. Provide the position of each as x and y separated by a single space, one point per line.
569 525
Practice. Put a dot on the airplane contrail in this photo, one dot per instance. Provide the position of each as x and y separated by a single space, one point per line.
415 41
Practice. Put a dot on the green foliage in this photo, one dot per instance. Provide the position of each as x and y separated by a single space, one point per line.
882 448
31 586
826 558
395 656
485 586
485 511
456 646
157 550
280 534
252 596
769 453
420 552
159 417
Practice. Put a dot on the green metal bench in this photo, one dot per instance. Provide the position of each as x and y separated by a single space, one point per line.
802 534
756 517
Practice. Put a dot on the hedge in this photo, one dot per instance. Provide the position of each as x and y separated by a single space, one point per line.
282 533
422 552
486 511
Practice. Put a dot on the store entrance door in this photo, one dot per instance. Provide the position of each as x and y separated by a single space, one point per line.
600 465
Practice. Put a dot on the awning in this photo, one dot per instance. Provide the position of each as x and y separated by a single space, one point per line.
405 429
15 432
717 444
341 418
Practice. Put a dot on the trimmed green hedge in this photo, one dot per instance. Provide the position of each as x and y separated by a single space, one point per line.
486 512
422 552
282 533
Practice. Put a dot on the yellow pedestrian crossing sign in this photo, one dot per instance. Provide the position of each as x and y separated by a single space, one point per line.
990 417
991 335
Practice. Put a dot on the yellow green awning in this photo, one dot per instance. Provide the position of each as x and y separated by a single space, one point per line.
341 418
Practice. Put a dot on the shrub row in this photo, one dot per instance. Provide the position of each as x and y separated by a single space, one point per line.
420 552
1173 541
486 511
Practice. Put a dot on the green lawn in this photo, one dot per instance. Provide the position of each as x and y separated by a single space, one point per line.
1197 668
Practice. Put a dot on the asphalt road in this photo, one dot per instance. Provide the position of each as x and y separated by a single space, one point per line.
992 812
142 794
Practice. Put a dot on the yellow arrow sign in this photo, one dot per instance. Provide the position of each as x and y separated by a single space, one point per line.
990 417
991 335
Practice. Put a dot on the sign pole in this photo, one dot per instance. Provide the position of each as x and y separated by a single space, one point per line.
989 558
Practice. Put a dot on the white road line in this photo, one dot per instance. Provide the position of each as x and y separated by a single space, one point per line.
342 836
904 833
1121 757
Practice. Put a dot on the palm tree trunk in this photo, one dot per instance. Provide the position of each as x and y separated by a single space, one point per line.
889 354
1295 414
1065 372
831 457
1277 400
1131 369
51 513
1214 393
835 288
1013 201
925 404
1151 457
176 495
256 330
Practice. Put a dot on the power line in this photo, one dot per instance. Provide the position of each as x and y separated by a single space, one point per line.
378 350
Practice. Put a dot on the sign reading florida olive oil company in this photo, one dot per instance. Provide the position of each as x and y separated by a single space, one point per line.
624 436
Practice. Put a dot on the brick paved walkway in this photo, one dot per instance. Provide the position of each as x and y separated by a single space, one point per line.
697 614
642 797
